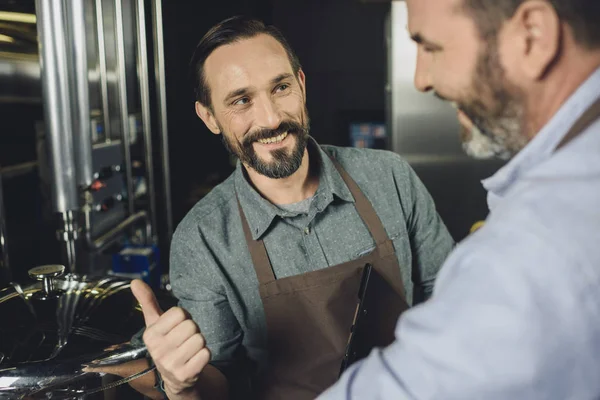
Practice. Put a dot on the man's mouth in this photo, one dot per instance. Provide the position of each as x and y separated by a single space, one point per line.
276 139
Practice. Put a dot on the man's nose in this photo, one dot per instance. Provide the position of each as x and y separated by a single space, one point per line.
423 81
267 114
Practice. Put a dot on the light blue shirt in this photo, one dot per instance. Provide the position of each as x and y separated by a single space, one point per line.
515 312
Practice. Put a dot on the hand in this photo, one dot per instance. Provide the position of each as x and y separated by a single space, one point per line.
173 340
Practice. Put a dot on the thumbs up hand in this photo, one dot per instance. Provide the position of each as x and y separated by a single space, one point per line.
173 340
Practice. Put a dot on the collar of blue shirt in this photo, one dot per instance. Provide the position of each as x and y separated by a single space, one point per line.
541 147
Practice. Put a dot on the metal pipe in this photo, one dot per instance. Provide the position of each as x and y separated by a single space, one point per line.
52 39
68 233
159 73
17 170
112 235
145 98
5 275
80 97
103 74
122 84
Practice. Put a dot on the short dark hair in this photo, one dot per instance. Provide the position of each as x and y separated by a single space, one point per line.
583 17
226 32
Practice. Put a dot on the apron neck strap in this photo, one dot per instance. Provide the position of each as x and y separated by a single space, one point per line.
366 212
258 252
588 117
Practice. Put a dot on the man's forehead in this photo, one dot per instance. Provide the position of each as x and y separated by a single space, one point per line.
244 61
423 14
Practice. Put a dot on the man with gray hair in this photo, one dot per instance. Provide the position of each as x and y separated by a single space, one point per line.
515 312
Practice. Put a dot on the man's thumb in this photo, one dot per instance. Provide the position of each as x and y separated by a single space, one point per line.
145 296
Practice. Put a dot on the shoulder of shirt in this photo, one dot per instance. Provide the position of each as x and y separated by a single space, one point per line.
207 210
536 226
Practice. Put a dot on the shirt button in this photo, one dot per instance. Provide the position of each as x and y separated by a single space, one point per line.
307 230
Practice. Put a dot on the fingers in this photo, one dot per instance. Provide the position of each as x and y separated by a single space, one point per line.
173 340
177 359
145 296
156 334
196 364
180 367
182 332
163 345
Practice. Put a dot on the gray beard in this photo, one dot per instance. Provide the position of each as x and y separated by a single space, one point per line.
482 147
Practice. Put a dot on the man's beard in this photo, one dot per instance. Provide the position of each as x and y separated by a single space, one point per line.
498 123
283 164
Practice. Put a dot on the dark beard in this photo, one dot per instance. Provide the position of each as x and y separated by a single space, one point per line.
501 122
283 164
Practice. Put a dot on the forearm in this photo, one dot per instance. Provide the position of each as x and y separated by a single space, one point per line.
211 384
145 384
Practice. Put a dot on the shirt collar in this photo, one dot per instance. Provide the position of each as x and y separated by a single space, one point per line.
260 213
541 147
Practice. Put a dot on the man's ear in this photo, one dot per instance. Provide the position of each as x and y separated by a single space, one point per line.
537 35
208 118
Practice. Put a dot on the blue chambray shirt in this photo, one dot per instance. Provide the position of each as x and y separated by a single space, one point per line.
212 273
515 312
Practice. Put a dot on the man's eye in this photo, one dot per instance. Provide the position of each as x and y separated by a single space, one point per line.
282 87
241 102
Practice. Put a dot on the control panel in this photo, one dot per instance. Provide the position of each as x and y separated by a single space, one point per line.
109 190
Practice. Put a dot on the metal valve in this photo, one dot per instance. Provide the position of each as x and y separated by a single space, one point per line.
46 274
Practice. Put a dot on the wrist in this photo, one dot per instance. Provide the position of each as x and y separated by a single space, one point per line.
190 393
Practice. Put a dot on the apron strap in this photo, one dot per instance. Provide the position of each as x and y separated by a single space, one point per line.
588 117
367 213
258 252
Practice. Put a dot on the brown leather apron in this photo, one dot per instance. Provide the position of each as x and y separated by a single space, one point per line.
309 316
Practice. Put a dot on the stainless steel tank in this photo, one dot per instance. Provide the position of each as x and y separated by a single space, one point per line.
55 328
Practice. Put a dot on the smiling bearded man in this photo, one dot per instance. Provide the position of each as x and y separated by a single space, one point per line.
267 266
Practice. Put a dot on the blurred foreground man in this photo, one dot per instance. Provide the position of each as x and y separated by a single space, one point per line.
515 312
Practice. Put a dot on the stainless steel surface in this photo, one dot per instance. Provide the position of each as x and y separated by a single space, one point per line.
80 98
109 21
20 78
124 109
5 274
51 345
60 379
159 71
109 237
19 61
421 123
46 274
103 69
53 37
146 117
68 233
93 58
425 131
